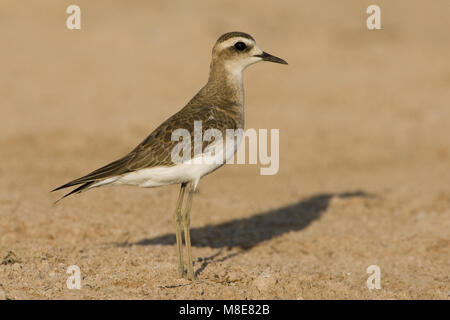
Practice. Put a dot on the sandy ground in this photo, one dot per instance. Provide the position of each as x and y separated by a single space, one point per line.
364 119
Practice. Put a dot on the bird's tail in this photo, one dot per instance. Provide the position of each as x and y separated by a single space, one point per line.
81 188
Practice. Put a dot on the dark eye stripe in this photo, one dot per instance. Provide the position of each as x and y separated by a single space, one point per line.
240 46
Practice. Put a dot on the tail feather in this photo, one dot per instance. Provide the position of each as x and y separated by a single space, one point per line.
76 190
114 168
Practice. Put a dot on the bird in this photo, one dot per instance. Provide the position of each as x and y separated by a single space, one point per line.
219 105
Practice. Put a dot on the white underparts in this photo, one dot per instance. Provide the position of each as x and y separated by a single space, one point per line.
189 171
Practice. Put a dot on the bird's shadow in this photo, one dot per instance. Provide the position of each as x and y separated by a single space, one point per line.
248 232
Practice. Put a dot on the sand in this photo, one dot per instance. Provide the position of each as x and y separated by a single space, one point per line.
364 120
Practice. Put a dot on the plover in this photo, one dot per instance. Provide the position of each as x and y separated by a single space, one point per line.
218 105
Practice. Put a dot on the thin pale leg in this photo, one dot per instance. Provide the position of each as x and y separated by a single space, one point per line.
187 233
178 219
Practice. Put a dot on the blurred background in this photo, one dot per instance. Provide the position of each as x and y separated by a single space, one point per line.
364 119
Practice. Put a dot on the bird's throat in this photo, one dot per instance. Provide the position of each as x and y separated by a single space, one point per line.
228 83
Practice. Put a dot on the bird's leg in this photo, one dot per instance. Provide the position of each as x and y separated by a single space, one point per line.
187 234
178 219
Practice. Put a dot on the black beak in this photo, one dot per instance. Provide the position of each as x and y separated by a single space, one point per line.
268 57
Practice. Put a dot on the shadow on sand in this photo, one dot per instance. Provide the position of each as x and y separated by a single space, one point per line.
245 233
248 232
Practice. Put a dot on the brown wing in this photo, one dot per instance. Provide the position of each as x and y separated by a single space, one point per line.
156 149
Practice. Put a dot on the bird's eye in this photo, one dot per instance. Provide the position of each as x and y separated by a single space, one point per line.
240 46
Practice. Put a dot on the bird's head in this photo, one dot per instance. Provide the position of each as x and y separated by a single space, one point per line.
235 51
